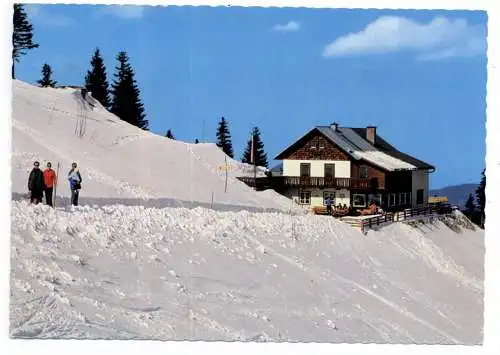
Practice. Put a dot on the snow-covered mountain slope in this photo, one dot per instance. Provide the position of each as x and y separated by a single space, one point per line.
118 160
174 273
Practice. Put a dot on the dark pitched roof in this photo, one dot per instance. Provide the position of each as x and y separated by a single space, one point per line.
387 148
353 143
292 147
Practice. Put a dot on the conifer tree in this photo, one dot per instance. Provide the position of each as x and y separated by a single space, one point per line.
481 197
224 138
46 80
260 157
196 141
470 207
22 36
96 80
169 134
126 102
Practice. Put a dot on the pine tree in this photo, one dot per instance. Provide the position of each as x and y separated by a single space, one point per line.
126 102
169 134
196 141
96 80
470 207
224 138
259 155
22 36
46 80
481 197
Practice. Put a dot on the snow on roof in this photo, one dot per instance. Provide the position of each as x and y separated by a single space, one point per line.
358 148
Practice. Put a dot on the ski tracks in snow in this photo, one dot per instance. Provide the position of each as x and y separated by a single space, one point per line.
98 177
313 271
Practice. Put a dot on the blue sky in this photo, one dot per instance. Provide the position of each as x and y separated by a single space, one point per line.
419 76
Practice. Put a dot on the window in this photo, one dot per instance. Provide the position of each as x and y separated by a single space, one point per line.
377 198
305 197
402 198
329 194
420 197
363 172
314 144
392 200
329 170
305 169
359 200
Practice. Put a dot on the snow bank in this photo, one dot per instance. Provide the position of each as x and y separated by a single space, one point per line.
132 272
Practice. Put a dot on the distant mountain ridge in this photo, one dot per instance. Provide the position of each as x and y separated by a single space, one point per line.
457 194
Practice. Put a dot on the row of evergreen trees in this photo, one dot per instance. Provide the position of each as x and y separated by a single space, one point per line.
125 101
475 209
123 98
224 142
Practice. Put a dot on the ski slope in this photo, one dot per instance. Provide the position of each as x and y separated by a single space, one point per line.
131 272
118 160
159 251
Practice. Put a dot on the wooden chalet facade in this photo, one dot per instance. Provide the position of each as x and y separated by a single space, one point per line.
353 166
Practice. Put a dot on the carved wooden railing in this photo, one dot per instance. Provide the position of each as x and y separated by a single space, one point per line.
312 181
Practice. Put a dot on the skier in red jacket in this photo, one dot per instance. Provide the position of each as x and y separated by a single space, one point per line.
50 179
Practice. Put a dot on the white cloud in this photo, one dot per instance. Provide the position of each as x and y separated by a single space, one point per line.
45 17
291 26
439 39
126 12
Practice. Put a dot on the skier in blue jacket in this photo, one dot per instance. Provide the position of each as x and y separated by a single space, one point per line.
75 180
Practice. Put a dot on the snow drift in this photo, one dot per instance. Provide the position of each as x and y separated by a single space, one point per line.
118 160
198 274
126 266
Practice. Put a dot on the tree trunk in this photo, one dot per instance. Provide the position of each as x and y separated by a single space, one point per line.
13 71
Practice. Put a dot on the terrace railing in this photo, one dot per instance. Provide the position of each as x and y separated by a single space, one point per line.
328 182
404 215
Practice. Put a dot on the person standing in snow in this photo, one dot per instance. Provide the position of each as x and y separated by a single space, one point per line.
36 184
75 180
328 202
49 178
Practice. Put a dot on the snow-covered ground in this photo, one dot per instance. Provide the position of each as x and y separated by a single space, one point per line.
120 161
199 274
160 251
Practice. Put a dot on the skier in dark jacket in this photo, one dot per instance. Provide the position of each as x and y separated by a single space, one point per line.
75 180
36 184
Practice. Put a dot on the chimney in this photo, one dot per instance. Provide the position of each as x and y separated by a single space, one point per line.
334 126
371 133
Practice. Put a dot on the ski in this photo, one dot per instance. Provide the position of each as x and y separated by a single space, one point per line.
55 186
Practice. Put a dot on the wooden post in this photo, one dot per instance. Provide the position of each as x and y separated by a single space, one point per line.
212 202
55 186
225 185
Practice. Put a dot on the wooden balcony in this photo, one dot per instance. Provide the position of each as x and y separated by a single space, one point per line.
278 183
325 182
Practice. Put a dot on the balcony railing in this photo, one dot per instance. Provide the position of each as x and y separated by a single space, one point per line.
333 182
279 182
